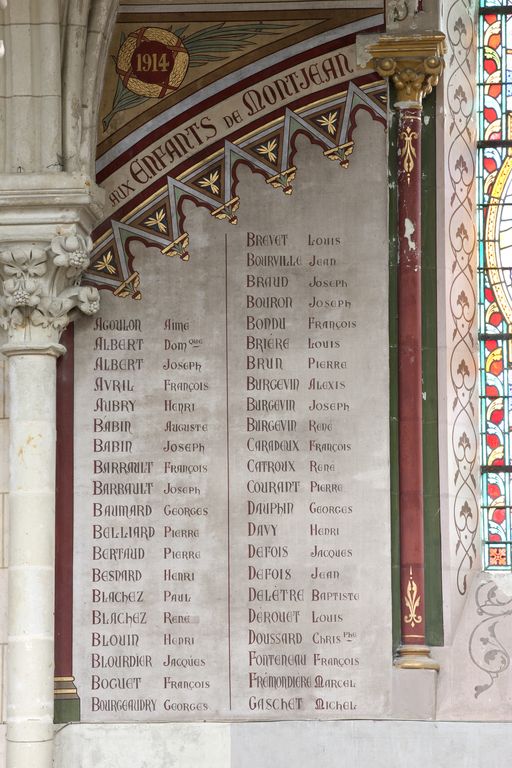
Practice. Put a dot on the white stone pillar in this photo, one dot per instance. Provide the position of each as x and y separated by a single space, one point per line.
44 249
31 556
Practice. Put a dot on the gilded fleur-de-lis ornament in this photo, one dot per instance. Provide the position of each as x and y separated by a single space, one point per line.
408 151
412 602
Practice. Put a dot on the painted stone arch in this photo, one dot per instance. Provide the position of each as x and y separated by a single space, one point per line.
163 137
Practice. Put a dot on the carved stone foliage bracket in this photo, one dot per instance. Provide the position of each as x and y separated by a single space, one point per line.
413 63
40 291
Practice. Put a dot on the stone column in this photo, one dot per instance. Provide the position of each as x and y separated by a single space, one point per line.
413 64
44 249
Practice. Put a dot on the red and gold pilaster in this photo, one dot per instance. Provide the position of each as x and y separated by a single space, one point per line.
413 64
66 700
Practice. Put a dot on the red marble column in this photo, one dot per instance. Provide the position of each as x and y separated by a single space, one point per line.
413 63
410 398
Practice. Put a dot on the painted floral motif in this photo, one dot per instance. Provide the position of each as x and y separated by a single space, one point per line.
459 88
269 150
329 122
210 182
158 221
105 264
486 648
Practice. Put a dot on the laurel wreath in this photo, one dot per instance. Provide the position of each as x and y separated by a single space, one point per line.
205 46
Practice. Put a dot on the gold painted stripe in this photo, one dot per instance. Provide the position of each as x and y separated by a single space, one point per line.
65 691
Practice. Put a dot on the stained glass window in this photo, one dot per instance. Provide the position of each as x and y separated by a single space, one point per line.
495 279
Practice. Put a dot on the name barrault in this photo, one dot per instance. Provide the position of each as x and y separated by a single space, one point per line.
100 488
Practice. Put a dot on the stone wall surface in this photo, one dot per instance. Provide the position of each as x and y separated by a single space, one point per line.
246 582
283 745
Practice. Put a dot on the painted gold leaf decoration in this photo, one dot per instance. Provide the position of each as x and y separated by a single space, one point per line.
105 264
412 602
158 220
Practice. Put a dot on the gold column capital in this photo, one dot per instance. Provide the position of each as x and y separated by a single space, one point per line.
414 63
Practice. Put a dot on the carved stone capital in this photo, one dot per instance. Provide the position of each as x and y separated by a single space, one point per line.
414 63
45 222
39 288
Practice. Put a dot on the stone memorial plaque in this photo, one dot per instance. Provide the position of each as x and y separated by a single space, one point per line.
232 534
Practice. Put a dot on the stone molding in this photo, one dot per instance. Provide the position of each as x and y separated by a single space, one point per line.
413 63
33 200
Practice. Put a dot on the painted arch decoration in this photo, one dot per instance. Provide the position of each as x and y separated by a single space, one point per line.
269 152
190 97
